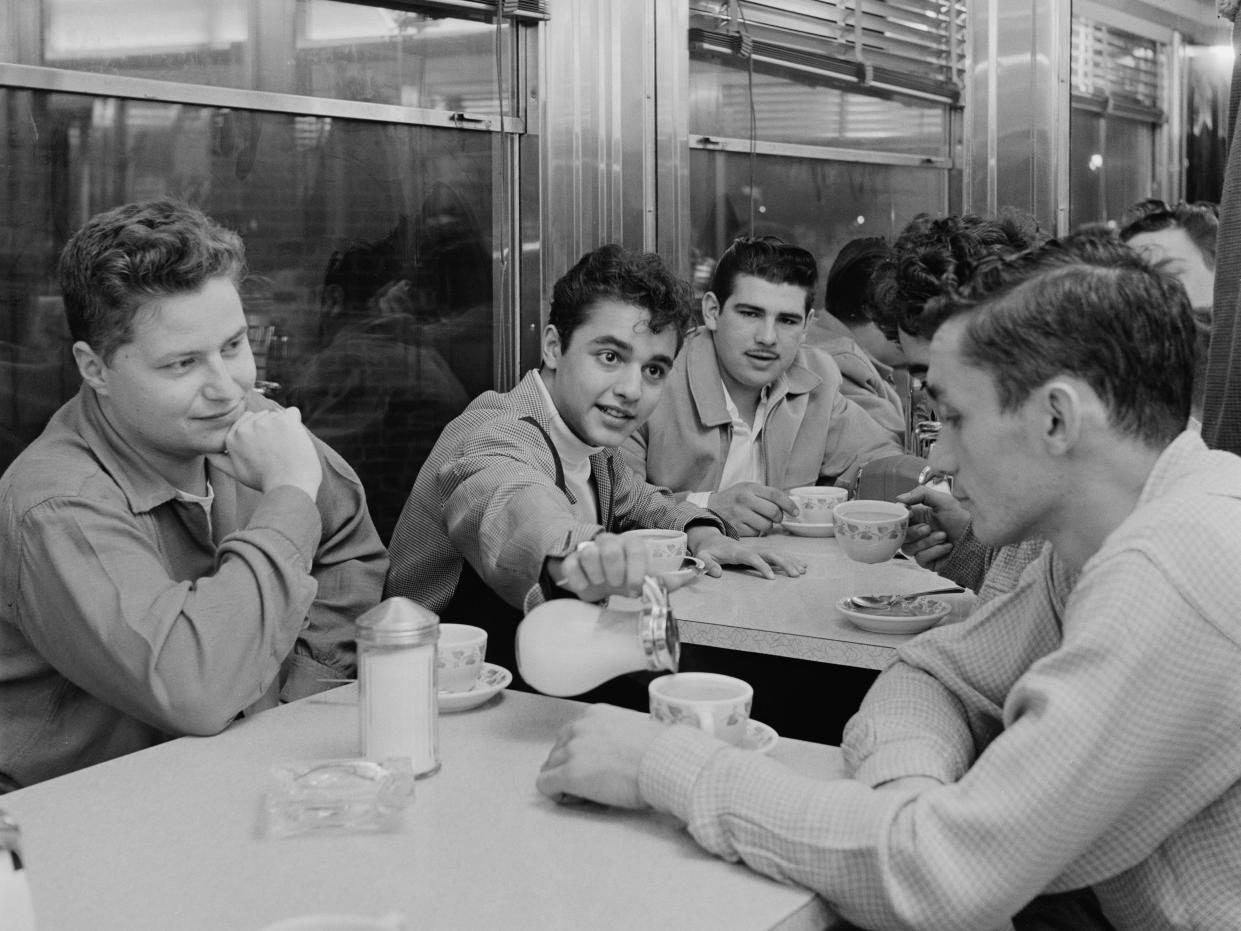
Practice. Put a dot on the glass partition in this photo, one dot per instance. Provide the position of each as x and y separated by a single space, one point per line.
378 239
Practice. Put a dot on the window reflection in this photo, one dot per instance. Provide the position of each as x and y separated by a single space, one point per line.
819 205
316 48
370 295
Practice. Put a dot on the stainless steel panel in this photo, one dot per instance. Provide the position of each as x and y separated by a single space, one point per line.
597 129
1020 99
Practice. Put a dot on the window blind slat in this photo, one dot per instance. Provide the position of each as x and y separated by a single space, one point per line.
914 44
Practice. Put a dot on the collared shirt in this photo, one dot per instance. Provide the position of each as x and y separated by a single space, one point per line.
123 623
575 457
744 462
1086 732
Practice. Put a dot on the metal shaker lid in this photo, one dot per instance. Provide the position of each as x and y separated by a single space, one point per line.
398 621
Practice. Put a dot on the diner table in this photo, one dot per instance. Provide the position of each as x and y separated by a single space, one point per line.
170 837
797 617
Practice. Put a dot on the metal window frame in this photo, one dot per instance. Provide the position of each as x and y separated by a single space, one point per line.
507 130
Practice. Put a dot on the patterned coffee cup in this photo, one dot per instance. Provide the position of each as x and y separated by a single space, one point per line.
815 503
711 702
459 656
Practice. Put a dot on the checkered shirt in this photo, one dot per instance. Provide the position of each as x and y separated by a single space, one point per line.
1087 733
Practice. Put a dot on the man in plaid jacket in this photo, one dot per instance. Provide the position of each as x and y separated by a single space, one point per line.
525 497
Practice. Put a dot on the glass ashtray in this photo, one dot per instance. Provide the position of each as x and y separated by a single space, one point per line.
337 796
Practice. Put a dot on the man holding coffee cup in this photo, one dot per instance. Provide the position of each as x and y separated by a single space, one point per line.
1079 733
525 496
749 411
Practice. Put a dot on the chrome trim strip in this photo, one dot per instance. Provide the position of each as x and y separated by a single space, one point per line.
821 152
111 85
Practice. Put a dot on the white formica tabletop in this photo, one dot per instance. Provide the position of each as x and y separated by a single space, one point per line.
797 617
168 839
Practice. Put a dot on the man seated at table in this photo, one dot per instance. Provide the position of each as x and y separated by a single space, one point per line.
177 548
1079 733
750 412
1179 239
525 495
931 256
866 358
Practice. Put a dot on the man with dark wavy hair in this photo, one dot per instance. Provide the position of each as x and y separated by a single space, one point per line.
177 548
1077 737
750 412
525 496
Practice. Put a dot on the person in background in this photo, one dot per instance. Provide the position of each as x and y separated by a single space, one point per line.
178 549
866 358
1181 239
376 391
929 258
749 411
525 495
1077 737
1221 394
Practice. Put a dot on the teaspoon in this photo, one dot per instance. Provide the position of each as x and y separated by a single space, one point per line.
883 601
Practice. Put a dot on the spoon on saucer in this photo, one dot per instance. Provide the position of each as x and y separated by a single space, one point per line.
884 601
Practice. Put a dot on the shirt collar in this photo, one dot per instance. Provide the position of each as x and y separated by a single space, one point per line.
144 488
570 447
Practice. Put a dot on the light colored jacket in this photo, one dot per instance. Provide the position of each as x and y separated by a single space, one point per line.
866 381
812 430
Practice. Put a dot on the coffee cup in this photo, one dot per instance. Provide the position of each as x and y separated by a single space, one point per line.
665 549
459 656
717 704
815 503
871 531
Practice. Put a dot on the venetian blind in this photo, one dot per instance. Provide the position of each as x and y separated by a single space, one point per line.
1117 71
912 47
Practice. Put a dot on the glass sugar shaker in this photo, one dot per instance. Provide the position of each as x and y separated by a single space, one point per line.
398 713
16 906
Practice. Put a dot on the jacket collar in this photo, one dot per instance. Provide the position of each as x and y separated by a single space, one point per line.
706 384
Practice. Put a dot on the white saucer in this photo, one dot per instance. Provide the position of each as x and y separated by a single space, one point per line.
759 737
927 613
491 680
809 530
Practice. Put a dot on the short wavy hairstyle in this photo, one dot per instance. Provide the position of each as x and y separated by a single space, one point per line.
611 272
1086 306
933 256
769 258
130 255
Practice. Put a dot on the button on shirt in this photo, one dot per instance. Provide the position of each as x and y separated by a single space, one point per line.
745 461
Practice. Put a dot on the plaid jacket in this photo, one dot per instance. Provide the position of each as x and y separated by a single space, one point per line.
492 493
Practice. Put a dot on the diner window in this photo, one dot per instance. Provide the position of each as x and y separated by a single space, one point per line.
373 219
820 121
1116 122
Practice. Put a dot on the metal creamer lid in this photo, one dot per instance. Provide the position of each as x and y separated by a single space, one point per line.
398 621
657 627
